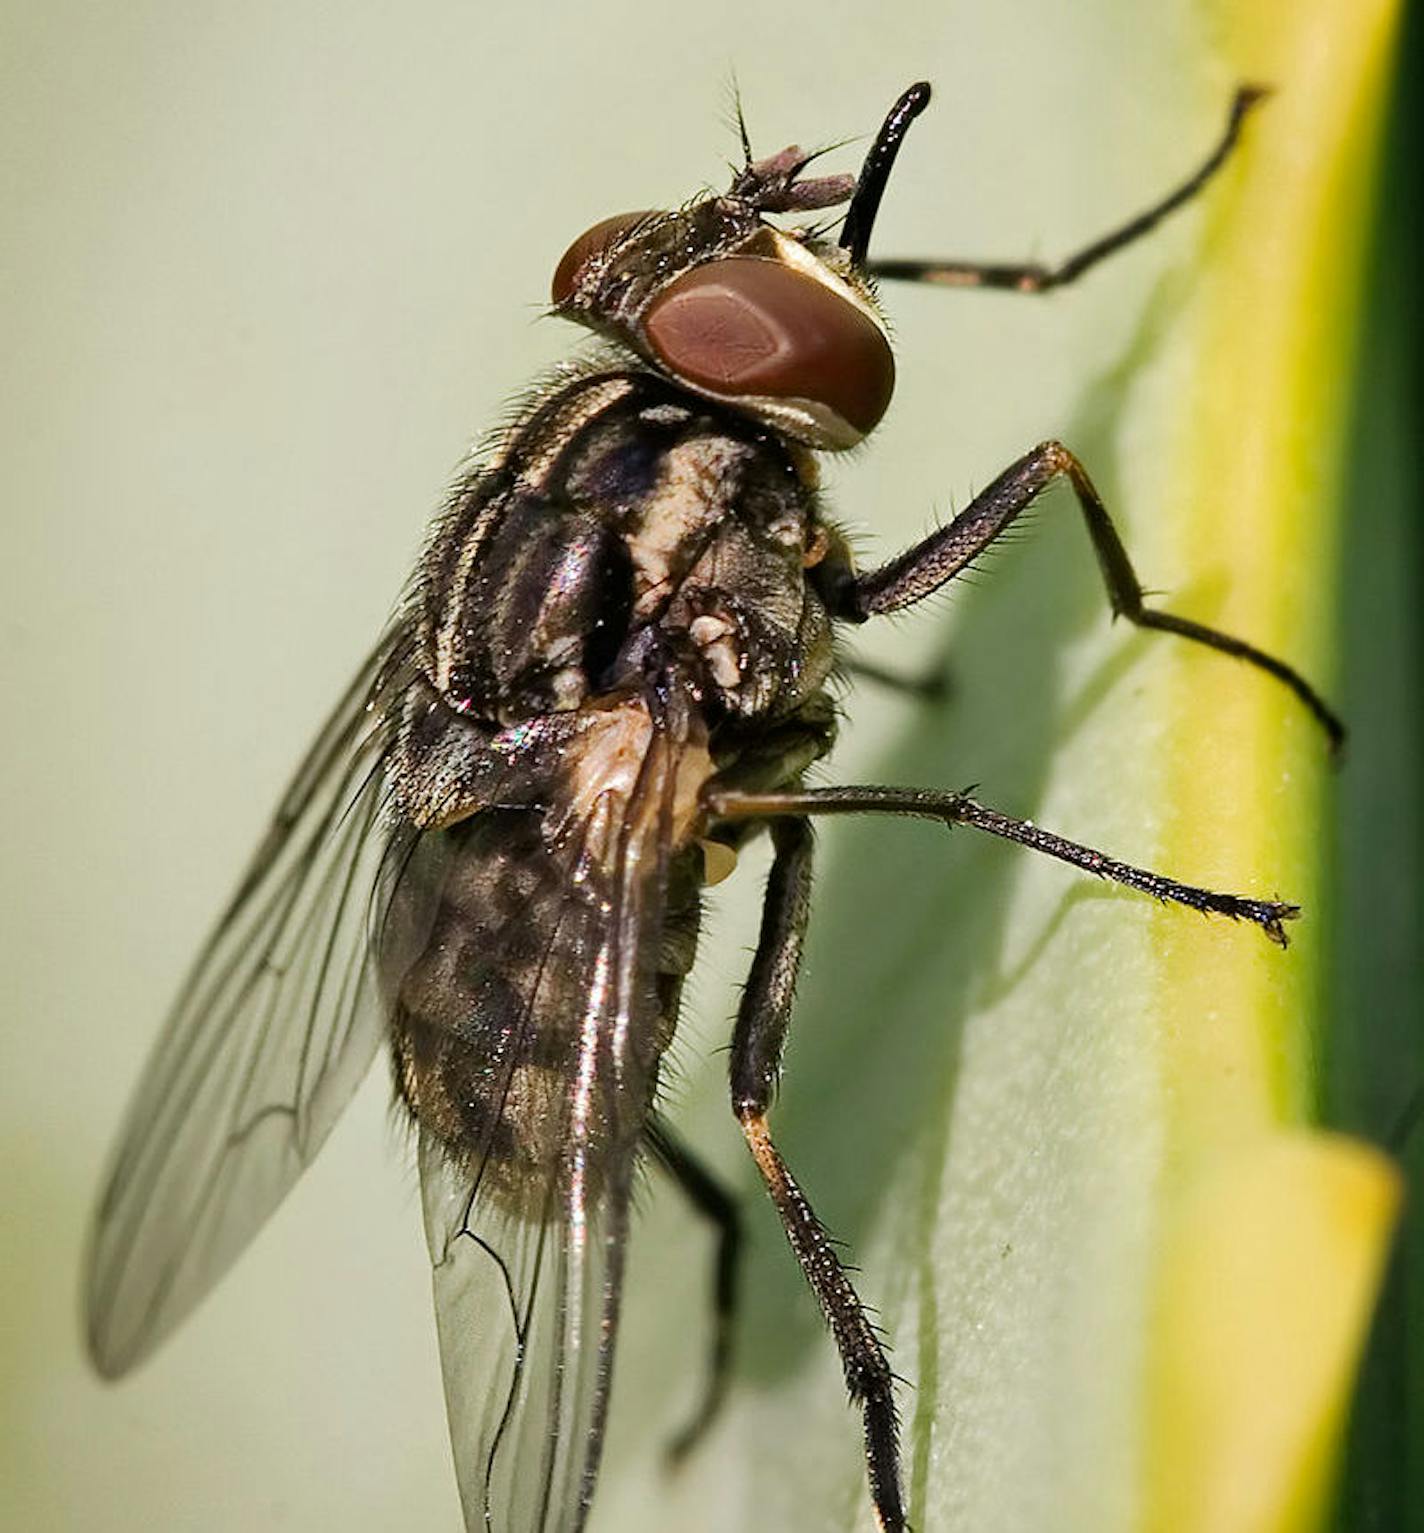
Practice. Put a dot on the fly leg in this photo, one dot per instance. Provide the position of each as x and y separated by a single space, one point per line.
757 1043
931 687
712 1200
1033 277
960 809
937 559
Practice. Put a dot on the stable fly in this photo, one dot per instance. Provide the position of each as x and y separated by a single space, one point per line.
610 672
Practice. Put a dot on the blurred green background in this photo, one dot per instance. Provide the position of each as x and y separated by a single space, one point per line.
268 269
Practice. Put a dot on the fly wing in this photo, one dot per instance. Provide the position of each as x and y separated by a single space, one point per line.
572 1006
269 1038
527 1316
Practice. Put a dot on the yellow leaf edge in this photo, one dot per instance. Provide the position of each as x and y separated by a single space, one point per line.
1270 1267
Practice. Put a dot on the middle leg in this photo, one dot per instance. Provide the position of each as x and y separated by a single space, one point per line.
959 809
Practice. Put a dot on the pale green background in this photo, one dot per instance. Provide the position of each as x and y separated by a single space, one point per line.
266 269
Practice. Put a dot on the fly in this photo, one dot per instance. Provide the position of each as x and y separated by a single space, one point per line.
610 672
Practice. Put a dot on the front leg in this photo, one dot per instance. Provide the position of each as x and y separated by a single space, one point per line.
936 560
762 1022
1033 276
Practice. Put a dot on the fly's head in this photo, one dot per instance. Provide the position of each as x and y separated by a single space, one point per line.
780 325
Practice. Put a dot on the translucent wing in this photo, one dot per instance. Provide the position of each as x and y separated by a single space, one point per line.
271 1035
568 990
527 1316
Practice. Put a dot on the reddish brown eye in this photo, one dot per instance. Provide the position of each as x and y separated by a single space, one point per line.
591 242
745 326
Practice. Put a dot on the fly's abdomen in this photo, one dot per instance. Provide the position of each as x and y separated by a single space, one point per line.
499 960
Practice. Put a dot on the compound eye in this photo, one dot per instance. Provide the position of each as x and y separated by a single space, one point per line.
590 243
745 326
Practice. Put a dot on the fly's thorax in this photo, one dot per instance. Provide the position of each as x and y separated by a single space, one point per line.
627 522
518 592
